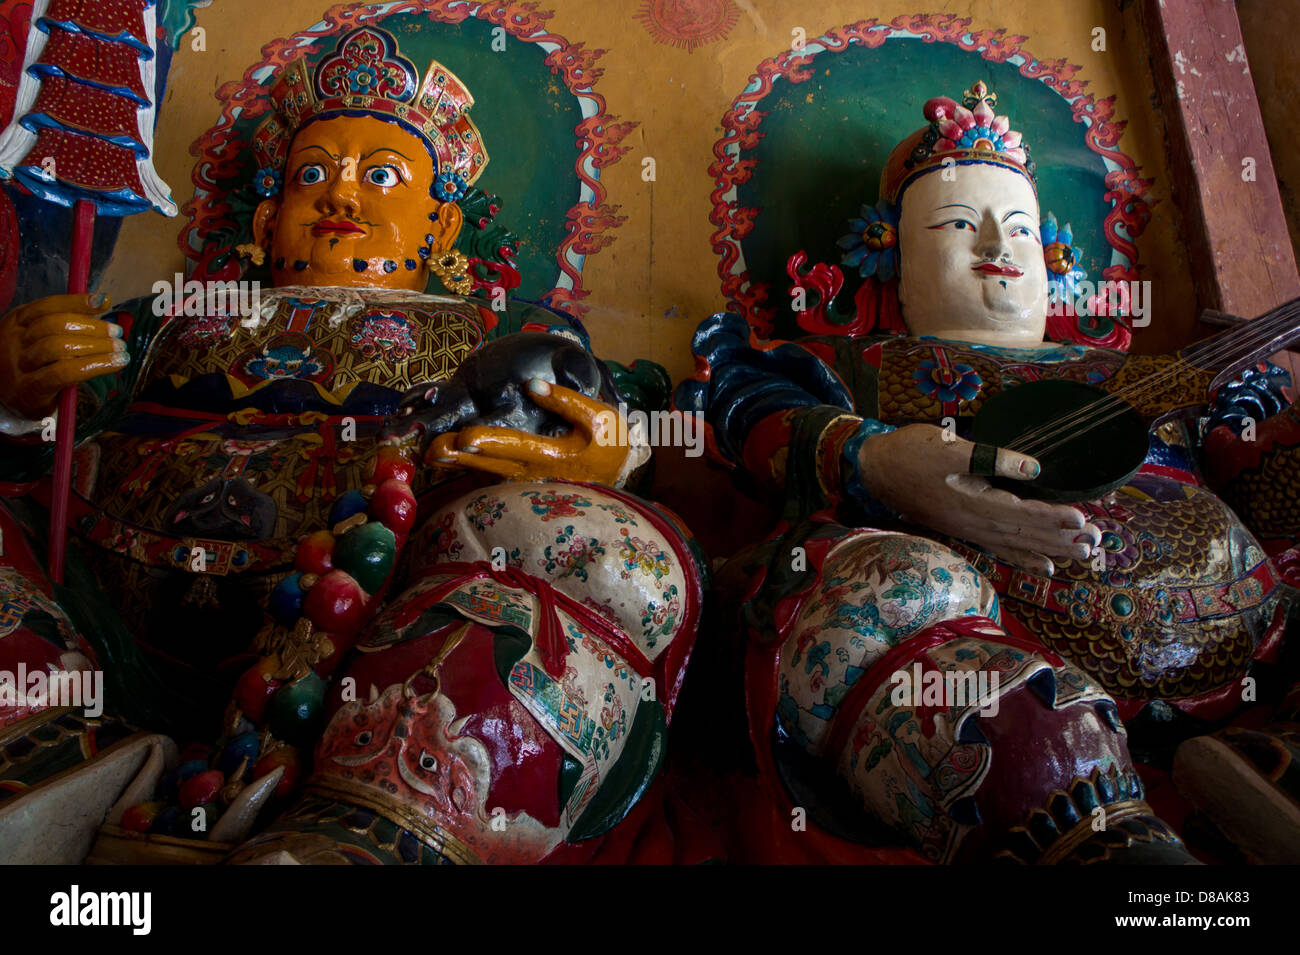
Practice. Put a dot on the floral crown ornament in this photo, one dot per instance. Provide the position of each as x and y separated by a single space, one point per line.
966 132
1062 257
365 74
872 243
1099 324
268 181
962 133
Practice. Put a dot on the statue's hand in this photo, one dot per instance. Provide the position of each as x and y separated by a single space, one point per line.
588 453
51 343
928 481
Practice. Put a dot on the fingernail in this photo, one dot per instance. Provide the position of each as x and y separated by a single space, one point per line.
115 330
539 386
470 450
119 344
122 358
98 300
1030 468
446 460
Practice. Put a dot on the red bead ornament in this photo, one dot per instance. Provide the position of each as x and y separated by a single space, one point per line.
394 506
316 553
336 604
392 464
254 688
141 816
201 789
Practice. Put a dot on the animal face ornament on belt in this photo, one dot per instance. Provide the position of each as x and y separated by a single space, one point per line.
400 753
225 510
395 744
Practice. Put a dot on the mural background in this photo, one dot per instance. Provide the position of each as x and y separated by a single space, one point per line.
669 71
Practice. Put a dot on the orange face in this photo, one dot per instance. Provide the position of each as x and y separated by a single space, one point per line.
356 208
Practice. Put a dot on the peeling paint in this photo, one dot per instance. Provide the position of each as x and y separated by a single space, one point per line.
1238 55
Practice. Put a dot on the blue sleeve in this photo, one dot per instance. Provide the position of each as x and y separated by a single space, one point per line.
739 381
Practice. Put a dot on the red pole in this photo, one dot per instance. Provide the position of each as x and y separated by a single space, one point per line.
83 231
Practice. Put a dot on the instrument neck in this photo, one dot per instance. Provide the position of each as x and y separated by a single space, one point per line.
1250 342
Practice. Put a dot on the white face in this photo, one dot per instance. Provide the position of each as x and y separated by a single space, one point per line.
971 257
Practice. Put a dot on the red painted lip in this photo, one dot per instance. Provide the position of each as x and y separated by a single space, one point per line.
327 228
992 268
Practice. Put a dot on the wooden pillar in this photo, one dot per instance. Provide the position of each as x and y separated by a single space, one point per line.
1234 225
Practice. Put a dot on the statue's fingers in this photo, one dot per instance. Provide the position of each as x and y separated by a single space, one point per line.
1013 552
49 350
516 445
1058 515
1052 516
63 324
72 371
1053 541
1030 524
591 415
55 305
451 457
987 460
1089 534
442 448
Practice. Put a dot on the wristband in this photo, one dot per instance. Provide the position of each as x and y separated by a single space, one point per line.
852 482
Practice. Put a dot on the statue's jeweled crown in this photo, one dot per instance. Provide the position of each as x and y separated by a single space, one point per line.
965 132
366 75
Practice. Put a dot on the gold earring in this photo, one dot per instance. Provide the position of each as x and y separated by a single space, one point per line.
250 251
452 269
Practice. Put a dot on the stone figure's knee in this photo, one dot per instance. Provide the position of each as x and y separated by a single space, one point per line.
913 582
876 591
603 549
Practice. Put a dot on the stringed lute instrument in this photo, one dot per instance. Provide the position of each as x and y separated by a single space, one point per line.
1091 439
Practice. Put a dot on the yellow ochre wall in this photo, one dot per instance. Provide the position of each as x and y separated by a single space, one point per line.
658 279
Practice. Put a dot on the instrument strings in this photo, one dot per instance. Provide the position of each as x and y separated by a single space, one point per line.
1210 352
1111 406
1257 334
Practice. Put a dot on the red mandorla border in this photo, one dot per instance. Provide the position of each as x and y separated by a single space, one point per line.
1125 190
219 152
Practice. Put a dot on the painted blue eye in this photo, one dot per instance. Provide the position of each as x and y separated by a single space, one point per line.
311 174
382 176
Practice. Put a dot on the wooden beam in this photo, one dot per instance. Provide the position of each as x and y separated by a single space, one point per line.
1234 226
